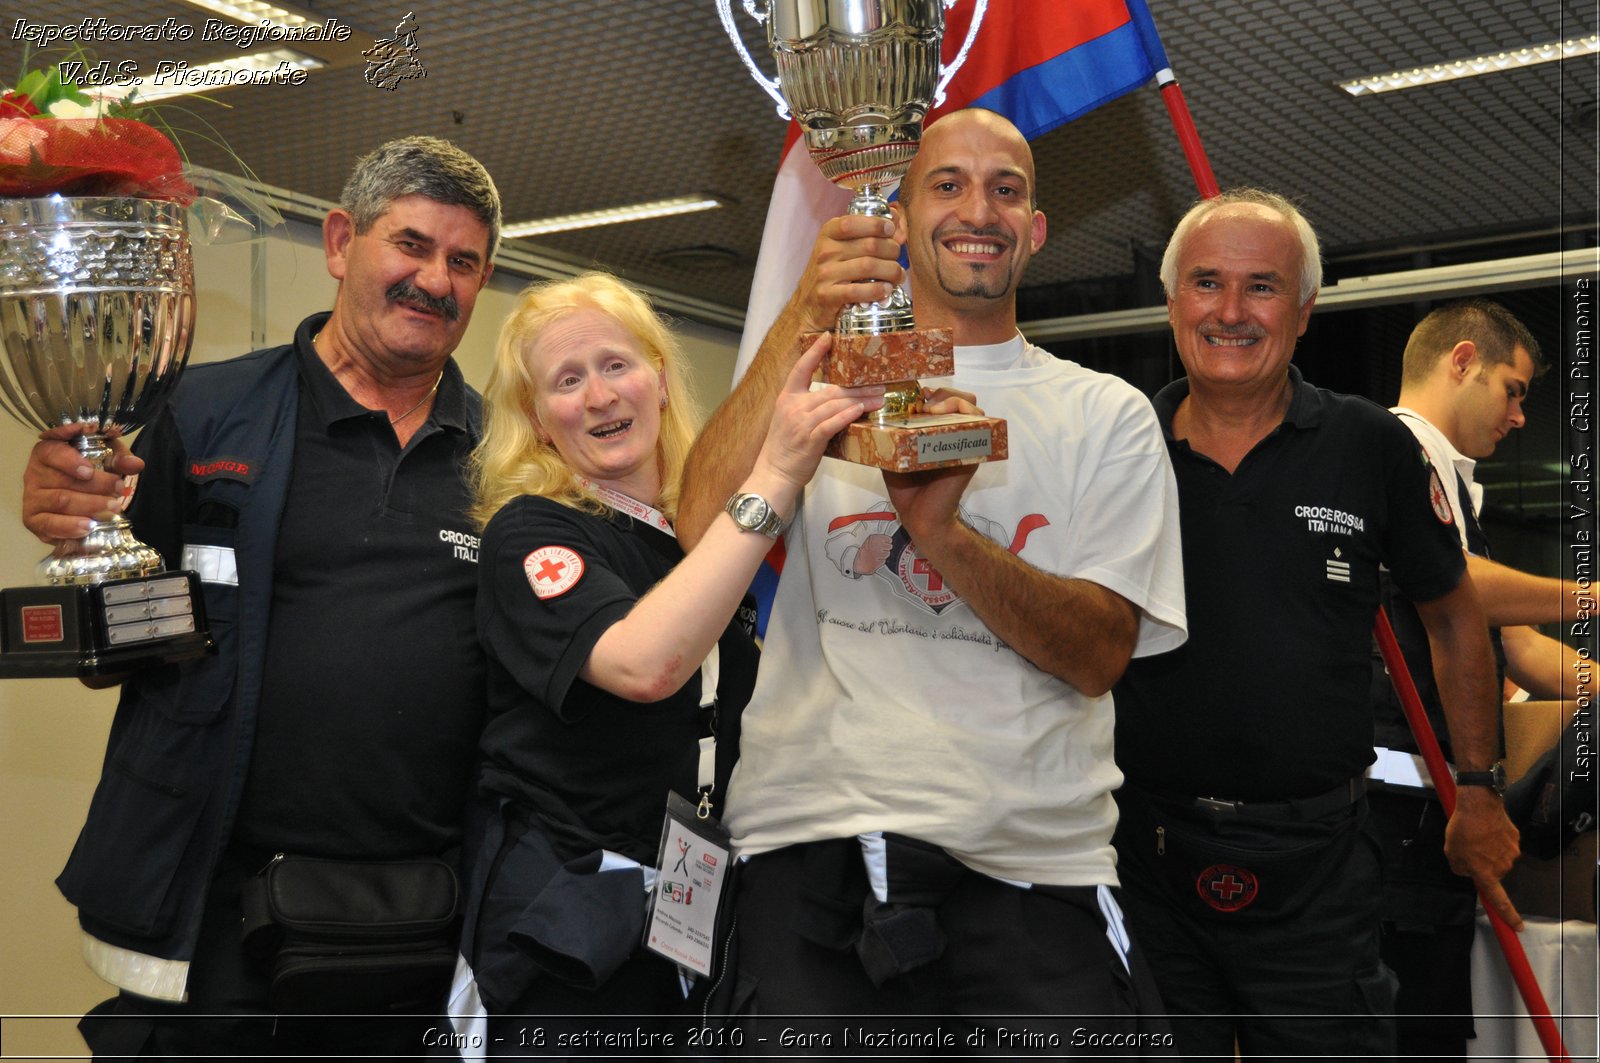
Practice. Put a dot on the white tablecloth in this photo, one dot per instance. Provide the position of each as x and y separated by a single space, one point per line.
1563 958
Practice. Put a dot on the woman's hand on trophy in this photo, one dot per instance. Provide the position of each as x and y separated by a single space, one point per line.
856 259
62 491
806 418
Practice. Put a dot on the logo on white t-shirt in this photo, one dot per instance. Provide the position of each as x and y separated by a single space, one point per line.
874 543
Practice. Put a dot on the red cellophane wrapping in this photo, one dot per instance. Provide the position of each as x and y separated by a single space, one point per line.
89 157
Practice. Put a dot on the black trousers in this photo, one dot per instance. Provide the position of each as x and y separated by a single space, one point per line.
560 1009
1294 974
1016 971
228 1014
1428 913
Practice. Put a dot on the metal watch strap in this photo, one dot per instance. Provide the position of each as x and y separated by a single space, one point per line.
771 525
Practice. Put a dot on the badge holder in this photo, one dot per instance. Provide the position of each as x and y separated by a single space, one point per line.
692 863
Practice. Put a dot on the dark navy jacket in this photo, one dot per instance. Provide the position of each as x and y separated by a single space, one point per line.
183 735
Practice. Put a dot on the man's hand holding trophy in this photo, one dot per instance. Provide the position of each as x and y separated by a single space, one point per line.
860 77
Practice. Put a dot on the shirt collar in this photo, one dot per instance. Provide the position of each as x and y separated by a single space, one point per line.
992 357
1305 402
331 402
1463 465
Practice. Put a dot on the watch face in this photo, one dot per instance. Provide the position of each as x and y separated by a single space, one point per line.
751 511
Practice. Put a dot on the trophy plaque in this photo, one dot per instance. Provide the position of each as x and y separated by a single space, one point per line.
96 319
860 76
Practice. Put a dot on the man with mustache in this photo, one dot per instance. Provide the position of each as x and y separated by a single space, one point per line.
1250 867
317 489
925 774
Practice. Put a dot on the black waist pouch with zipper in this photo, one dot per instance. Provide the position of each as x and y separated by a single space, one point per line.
354 937
1231 867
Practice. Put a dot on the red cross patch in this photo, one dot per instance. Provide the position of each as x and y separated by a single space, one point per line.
552 570
1440 500
1227 888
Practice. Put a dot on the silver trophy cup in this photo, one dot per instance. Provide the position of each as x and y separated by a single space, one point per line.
860 77
96 318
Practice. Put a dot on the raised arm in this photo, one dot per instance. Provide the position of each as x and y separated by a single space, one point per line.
660 643
1480 841
855 260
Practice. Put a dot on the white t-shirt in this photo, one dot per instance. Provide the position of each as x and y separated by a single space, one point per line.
1445 458
884 704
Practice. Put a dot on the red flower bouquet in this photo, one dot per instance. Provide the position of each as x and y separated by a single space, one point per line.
57 139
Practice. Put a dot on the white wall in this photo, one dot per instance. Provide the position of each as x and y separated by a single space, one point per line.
53 732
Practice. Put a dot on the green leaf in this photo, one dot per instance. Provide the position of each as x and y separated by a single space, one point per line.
31 84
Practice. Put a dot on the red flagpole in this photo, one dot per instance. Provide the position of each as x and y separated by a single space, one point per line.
1172 96
1444 784
1188 135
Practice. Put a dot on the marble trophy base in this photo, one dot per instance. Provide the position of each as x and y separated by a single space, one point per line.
921 442
105 628
907 441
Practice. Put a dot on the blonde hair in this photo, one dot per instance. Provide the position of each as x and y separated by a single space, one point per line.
511 459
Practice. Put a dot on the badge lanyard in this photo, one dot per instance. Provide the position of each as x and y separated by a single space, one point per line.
710 670
694 857
630 506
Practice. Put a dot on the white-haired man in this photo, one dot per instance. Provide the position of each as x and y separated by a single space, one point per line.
1244 847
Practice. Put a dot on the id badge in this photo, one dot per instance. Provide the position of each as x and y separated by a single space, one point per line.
691 867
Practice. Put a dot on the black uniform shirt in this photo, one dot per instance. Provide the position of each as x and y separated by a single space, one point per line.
1268 699
372 695
594 767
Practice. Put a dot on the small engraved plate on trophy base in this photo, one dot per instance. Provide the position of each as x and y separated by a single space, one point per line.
922 441
102 629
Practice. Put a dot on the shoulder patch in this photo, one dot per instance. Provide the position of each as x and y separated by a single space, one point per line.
1440 500
222 468
552 570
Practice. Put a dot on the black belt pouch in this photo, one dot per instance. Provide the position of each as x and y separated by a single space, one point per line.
1233 867
354 937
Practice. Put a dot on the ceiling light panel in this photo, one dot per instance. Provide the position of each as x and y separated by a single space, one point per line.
589 219
1454 69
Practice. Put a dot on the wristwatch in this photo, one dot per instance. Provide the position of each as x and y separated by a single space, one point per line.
1494 778
753 513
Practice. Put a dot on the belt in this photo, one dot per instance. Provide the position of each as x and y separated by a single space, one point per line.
1394 768
1315 807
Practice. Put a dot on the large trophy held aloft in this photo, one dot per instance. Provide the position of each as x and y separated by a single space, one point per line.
96 319
860 76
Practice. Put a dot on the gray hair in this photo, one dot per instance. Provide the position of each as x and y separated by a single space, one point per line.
421 166
1310 250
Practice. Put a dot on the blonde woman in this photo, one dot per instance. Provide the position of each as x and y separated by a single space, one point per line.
596 628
